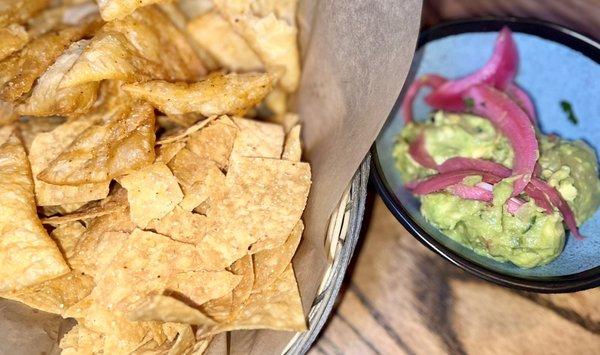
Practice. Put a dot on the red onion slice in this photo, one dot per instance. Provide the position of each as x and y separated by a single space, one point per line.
512 205
499 71
439 182
461 163
418 151
562 205
523 99
427 80
471 192
514 124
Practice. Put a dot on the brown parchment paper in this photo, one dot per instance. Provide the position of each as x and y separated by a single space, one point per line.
356 55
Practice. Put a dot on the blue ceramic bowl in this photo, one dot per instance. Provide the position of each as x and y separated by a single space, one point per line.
555 64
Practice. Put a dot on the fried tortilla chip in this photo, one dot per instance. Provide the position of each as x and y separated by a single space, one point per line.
195 8
199 178
181 134
167 309
231 50
12 38
152 263
118 9
218 94
30 127
215 141
105 151
181 225
272 38
292 150
145 45
276 102
48 146
66 236
56 295
152 193
6 132
27 254
257 139
19 11
81 340
269 264
8 113
114 203
264 199
47 99
180 341
166 152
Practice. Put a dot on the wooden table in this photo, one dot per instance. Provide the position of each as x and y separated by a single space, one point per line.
401 298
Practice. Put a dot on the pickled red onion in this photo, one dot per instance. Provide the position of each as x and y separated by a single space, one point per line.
461 163
523 99
557 200
419 153
441 181
512 205
471 192
428 80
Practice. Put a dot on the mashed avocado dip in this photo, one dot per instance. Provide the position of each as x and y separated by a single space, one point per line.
528 238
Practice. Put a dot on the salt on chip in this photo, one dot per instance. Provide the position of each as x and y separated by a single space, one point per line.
217 94
12 38
168 309
231 50
118 9
47 99
66 236
20 10
292 150
152 193
215 141
48 146
181 225
27 254
105 151
257 139
56 295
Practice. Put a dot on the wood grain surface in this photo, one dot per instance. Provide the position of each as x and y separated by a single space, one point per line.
401 298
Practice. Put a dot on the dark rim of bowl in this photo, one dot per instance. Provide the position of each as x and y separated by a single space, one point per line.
572 39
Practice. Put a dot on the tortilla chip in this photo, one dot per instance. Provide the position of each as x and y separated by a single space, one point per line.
56 295
27 254
166 152
112 204
152 193
272 38
30 127
6 132
8 114
181 225
269 264
218 94
168 309
12 38
145 45
47 99
231 50
181 134
81 340
194 8
152 263
20 10
292 150
48 146
118 9
257 139
200 179
105 151
215 141
263 200
66 236
180 341
276 102
186 120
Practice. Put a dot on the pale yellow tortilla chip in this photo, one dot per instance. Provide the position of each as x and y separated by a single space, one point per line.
181 225
12 38
218 94
8 114
20 10
66 236
114 203
6 132
56 295
231 50
194 8
105 151
183 134
257 139
215 141
48 146
152 193
167 309
150 263
292 149
166 152
276 102
81 341
27 254
47 99
30 127
272 38
118 9
180 341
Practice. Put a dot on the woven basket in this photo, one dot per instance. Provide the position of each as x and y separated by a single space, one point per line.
342 236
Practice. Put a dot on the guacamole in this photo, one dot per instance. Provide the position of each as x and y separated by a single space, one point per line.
528 238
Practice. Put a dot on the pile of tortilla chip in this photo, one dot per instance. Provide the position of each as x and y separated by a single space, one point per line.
151 186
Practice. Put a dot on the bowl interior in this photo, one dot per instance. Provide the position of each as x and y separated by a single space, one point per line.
550 72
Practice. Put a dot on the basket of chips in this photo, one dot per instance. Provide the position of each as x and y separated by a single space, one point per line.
171 182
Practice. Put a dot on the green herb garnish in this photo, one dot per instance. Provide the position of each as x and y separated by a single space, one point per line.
568 109
469 103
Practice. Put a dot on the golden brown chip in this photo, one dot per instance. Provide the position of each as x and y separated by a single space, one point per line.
231 50
292 150
114 203
8 114
152 193
152 263
186 120
257 139
215 141
269 264
181 134
47 99
118 9
19 10
181 225
80 340
166 152
66 236
30 127
27 254
48 146
6 132
167 309
107 150
218 94
145 45
55 295
12 38
272 38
